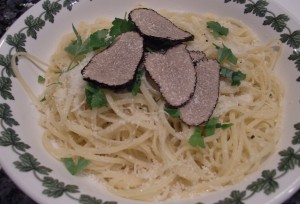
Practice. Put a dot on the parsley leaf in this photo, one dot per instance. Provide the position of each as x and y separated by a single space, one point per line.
94 96
41 79
236 77
75 45
212 124
224 53
210 127
77 167
173 112
95 41
121 26
196 139
137 82
217 29
223 126
148 49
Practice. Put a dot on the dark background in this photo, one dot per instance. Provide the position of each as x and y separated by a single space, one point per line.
10 10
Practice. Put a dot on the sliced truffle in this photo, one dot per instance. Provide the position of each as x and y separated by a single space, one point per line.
201 105
116 65
156 28
174 73
197 56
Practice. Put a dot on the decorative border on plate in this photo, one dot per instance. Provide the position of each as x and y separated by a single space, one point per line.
9 138
290 158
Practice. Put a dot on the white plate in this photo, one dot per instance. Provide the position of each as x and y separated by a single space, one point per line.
19 117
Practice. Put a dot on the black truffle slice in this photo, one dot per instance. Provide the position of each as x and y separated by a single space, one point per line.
116 66
174 73
197 56
200 107
154 27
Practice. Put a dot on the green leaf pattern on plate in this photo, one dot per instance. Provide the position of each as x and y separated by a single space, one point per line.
17 41
86 199
258 8
6 116
9 138
267 183
6 64
28 163
278 23
56 188
51 9
5 88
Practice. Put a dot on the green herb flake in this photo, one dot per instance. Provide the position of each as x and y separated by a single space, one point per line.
210 127
236 77
137 82
223 126
226 72
94 96
217 29
121 26
224 53
77 166
41 79
196 139
95 41
173 112
148 49
75 45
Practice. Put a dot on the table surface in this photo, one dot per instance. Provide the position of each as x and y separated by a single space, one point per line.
10 10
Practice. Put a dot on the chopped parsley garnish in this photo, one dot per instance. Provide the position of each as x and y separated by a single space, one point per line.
212 124
41 79
121 26
197 139
148 49
224 53
97 40
94 96
75 44
137 83
77 166
173 112
209 129
235 76
223 126
217 29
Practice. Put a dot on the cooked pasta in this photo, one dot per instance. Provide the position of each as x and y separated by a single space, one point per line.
136 149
